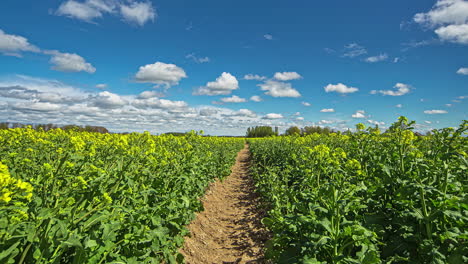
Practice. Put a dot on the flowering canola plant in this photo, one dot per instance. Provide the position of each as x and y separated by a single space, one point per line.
79 197
366 197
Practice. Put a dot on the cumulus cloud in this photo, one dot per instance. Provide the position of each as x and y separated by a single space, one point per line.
69 62
161 74
300 118
107 100
273 116
375 122
268 36
278 89
449 18
233 99
256 98
327 110
31 100
381 57
463 71
340 88
399 90
305 103
434 112
131 11
101 86
13 45
254 77
326 122
138 12
223 85
354 50
359 114
287 76
399 106
157 103
454 33
197 59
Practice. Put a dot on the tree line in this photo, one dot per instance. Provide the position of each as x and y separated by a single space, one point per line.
47 127
267 131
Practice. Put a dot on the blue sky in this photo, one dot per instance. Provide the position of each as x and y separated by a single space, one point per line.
222 66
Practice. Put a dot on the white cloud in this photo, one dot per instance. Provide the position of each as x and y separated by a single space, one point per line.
279 89
147 94
223 85
138 12
254 77
287 76
108 100
400 89
427 122
69 62
454 33
197 59
101 86
327 110
160 73
157 103
354 50
396 60
233 99
359 114
445 12
300 118
268 36
82 11
463 71
432 112
305 103
399 106
131 11
326 122
31 100
375 122
448 105
273 116
13 45
36 106
378 58
450 18
340 88
256 98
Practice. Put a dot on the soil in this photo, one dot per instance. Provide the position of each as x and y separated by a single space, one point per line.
229 229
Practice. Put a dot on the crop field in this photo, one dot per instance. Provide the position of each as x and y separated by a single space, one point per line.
77 197
363 197
366 197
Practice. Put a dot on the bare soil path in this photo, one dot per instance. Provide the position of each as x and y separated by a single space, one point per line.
229 229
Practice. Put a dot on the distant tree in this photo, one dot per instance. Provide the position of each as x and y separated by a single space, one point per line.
294 130
308 130
260 131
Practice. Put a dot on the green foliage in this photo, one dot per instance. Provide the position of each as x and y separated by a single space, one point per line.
366 197
261 131
294 130
103 198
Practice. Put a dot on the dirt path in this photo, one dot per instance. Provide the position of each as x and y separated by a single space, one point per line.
229 229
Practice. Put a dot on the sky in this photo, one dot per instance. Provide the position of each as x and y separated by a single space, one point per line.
222 66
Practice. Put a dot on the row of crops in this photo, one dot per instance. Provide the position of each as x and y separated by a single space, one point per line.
367 197
78 197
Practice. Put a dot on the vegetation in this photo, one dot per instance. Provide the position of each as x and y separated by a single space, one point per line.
80 197
261 131
366 197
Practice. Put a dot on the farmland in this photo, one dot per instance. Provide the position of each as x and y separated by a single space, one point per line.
78 197
366 197
363 197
